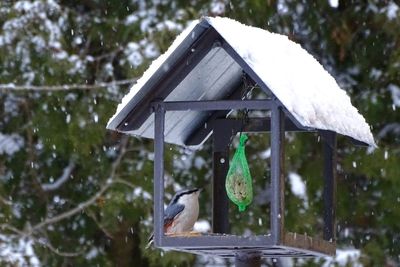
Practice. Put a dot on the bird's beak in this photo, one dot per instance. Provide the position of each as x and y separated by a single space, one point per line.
200 189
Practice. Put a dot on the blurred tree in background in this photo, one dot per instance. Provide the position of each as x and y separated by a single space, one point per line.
74 194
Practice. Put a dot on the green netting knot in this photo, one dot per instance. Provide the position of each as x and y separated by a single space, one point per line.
238 183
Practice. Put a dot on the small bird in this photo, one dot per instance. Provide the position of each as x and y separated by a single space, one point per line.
181 213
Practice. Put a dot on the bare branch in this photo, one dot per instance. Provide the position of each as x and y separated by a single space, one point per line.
123 145
29 231
90 201
19 234
124 182
58 252
75 210
65 87
108 55
105 231
44 241
12 229
61 180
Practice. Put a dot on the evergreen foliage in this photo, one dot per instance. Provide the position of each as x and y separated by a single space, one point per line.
56 155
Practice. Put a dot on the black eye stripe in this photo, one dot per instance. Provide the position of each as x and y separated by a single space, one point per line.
182 193
191 191
188 192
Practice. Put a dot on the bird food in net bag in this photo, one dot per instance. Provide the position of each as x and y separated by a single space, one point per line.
238 182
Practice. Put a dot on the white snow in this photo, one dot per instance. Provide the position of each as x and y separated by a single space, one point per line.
10 144
202 226
392 11
78 65
153 68
217 7
61 180
334 3
139 192
26 12
168 24
282 7
345 257
93 253
199 162
296 78
266 154
132 52
297 185
131 19
395 90
17 252
299 81
151 51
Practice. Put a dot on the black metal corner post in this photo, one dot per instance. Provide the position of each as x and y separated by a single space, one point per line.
159 121
220 202
329 150
277 175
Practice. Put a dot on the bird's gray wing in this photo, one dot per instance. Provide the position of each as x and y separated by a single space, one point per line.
171 212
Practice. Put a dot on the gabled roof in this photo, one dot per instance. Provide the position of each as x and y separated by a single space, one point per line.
207 61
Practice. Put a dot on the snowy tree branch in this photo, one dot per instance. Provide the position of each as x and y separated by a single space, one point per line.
57 251
90 201
45 241
29 232
121 181
73 211
12 229
18 234
65 87
5 201
390 127
61 180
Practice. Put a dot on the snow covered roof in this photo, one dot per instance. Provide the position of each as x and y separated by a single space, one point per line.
198 67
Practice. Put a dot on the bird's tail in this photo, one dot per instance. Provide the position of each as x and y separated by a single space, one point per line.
150 241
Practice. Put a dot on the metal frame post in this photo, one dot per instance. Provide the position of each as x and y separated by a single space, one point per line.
220 201
159 123
277 174
329 150
279 242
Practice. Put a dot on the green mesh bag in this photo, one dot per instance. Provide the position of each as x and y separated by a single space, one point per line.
238 183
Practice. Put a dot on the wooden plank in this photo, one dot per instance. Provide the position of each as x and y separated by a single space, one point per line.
307 243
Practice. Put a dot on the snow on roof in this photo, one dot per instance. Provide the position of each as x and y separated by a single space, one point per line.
294 76
155 65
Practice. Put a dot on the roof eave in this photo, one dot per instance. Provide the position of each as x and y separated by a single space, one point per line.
120 120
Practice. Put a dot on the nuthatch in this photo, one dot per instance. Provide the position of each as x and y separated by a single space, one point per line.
181 213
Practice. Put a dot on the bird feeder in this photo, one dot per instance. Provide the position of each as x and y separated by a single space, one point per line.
185 97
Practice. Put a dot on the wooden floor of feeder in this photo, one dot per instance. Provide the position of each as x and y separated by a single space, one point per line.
293 245
185 234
